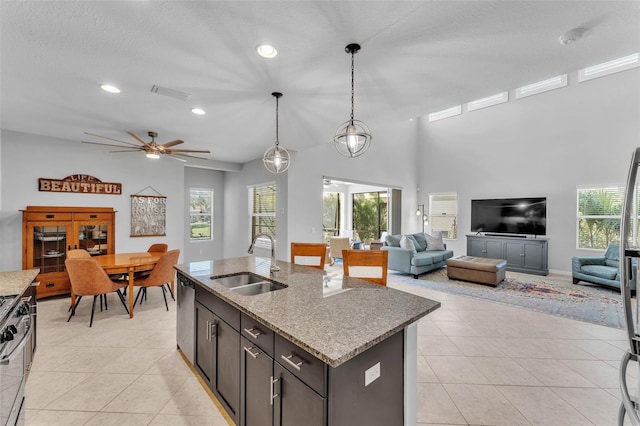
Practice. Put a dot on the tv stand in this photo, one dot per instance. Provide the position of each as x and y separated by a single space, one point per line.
528 255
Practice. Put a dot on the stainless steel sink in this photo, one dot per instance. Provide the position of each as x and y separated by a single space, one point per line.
239 280
257 288
248 284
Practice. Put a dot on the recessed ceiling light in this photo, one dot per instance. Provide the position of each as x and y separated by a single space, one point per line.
198 111
109 88
266 51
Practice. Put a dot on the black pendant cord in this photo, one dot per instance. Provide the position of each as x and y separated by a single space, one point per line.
352 85
277 138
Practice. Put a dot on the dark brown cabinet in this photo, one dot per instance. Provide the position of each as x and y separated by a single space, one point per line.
296 403
217 354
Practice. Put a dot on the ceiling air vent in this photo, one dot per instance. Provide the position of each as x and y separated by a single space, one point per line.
175 94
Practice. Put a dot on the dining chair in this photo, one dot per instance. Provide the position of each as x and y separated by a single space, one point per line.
370 265
83 254
153 248
159 248
89 279
336 245
161 274
309 254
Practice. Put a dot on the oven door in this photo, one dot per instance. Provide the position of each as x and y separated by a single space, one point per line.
12 373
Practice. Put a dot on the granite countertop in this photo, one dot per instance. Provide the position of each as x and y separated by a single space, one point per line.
331 316
16 282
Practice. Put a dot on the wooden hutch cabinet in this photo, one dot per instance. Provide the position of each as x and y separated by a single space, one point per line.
48 232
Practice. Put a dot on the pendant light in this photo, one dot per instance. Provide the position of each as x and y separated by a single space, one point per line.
276 159
352 137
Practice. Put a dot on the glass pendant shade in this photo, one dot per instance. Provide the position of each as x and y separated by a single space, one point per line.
276 159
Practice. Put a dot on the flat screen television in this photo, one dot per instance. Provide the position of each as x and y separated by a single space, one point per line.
510 216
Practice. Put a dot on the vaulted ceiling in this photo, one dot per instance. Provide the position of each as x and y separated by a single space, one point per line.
417 57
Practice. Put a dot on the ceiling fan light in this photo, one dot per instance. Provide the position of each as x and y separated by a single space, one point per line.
153 155
198 111
109 88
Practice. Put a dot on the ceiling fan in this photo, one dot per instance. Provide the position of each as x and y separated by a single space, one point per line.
152 149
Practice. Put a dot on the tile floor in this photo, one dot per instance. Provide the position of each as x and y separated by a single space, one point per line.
479 363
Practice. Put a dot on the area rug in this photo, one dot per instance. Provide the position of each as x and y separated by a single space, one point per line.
551 295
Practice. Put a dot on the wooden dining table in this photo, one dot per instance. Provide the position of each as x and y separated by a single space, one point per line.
128 263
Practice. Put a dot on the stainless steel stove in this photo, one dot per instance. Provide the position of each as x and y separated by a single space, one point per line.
15 337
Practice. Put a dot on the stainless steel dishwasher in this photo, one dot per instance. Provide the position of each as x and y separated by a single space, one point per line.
184 321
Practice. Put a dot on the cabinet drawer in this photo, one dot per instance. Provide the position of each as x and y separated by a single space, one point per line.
219 307
33 217
302 364
92 216
257 333
53 286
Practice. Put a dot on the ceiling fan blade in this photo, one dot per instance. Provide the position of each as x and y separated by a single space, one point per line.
172 151
109 144
172 143
136 137
127 150
111 139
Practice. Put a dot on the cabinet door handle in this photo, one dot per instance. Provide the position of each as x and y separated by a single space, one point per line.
254 332
208 331
295 365
248 350
214 326
273 395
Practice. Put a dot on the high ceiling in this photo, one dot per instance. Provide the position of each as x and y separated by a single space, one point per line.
417 57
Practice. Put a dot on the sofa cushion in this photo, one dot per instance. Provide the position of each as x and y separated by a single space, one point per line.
393 240
604 272
421 241
407 243
434 242
422 259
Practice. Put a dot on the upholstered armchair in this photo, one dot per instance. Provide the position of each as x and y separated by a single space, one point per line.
603 270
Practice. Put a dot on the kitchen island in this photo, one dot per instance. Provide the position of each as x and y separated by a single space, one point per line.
325 349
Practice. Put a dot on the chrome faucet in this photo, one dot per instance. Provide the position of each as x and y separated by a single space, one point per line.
274 267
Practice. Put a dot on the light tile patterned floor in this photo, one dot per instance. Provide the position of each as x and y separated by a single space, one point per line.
479 363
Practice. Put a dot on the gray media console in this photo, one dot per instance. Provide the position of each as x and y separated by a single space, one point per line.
529 255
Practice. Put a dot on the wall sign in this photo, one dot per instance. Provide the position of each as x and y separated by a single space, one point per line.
83 184
148 215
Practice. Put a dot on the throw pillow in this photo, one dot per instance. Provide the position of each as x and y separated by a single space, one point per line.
420 240
434 242
393 240
407 243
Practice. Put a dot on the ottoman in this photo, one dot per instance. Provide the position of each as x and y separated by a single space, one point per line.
481 270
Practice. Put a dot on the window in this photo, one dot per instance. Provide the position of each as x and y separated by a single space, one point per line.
600 214
443 211
263 212
201 214
369 215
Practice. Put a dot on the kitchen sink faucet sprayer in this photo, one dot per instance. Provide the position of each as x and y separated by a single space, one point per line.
274 267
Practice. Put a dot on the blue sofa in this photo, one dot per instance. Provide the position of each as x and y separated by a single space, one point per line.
602 270
414 262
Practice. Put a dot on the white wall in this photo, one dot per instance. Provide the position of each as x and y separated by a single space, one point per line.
212 180
390 161
25 158
544 145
